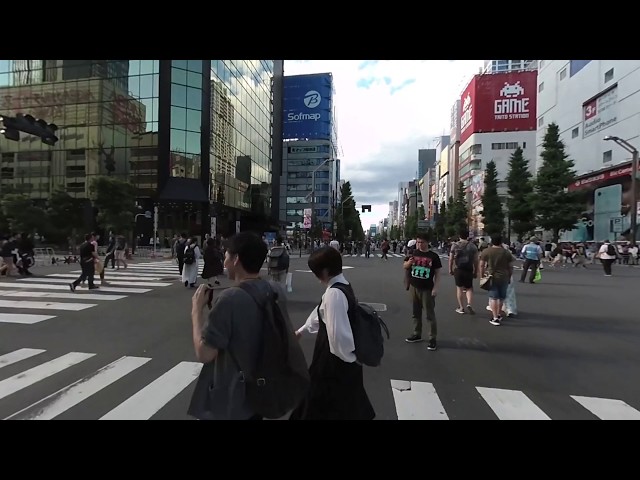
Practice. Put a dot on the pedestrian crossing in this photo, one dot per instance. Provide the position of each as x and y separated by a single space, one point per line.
50 384
379 255
420 401
50 294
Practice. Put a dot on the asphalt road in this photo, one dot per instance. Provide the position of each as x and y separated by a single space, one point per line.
570 354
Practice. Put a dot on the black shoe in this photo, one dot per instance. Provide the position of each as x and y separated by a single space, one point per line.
496 321
413 338
72 287
432 344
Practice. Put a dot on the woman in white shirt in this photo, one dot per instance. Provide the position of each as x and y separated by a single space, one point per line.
337 387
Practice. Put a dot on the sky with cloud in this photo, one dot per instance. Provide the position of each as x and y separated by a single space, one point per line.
385 112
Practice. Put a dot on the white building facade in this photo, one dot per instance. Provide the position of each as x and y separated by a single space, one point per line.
590 99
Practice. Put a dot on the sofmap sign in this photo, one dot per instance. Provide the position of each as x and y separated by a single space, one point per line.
308 105
500 102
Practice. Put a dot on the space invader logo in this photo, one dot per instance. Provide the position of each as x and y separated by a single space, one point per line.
512 105
512 91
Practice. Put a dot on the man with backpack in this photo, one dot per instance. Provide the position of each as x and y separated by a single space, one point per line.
254 367
278 264
464 266
607 255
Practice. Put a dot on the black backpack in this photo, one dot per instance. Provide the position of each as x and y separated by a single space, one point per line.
280 380
367 328
189 256
611 250
464 257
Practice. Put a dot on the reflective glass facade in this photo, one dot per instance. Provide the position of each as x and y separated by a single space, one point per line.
165 124
106 109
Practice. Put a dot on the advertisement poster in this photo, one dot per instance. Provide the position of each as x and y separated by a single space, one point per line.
608 199
308 106
477 188
600 112
307 218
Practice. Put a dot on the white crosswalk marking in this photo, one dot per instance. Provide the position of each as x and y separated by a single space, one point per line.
607 409
417 401
24 318
511 404
19 355
70 277
70 396
148 401
79 291
74 296
74 307
112 282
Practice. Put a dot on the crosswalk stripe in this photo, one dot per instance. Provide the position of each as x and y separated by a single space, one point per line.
608 409
84 296
148 401
71 395
112 273
71 276
73 307
113 282
79 291
417 401
19 355
24 318
25 379
511 404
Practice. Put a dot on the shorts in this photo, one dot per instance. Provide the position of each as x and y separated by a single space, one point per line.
498 290
463 278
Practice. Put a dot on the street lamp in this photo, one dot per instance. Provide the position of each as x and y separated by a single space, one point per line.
313 197
634 172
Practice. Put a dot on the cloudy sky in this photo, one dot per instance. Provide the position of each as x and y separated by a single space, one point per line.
386 110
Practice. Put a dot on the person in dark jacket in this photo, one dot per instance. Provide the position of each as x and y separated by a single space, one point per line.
337 387
179 247
25 254
213 265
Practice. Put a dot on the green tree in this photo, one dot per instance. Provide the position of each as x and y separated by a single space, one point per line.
522 216
491 203
421 213
450 228
441 221
556 208
459 212
115 201
21 215
410 226
66 216
348 217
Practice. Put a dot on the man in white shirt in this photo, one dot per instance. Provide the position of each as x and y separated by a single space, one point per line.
335 244
607 255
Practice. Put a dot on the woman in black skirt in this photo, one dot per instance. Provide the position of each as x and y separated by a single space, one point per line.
337 387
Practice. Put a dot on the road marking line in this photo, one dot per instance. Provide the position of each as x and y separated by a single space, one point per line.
73 307
511 404
608 409
134 277
19 355
24 318
113 273
71 395
34 375
84 296
417 401
112 282
79 291
378 307
148 401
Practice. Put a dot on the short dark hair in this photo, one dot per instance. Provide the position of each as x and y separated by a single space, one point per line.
250 249
88 236
325 257
464 234
423 236
496 240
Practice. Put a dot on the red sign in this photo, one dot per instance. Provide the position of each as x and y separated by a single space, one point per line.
602 176
499 102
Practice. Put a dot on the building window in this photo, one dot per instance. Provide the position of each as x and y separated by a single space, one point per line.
608 75
524 144
540 121
607 156
541 87
575 132
476 149
563 73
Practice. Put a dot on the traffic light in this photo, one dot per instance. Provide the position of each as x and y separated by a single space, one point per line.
366 208
12 126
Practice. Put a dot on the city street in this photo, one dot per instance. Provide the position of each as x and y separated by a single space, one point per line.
125 351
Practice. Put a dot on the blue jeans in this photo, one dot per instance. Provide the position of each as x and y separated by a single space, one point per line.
498 289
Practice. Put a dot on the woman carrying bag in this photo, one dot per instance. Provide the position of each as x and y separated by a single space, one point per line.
213 266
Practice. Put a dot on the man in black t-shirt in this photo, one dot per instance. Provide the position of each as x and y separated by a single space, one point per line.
88 256
424 271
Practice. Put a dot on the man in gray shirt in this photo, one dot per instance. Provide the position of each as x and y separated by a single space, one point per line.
232 334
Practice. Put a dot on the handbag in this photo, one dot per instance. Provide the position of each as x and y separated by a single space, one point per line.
486 282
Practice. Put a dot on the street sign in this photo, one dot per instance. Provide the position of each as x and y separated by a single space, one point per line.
423 224
616 225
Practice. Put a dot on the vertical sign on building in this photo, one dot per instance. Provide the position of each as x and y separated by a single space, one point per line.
467 105
306 223
454 133
308 105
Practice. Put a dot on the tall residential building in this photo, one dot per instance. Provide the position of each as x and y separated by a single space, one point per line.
590 100
153 119
309 150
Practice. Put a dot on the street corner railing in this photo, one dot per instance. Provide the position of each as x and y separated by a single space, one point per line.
147 252
44 257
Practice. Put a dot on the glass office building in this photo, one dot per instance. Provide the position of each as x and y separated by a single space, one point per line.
193 136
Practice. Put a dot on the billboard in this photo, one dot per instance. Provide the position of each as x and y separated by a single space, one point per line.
499 102
477 188
308 103
306 223
600 112
608 197
454 133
